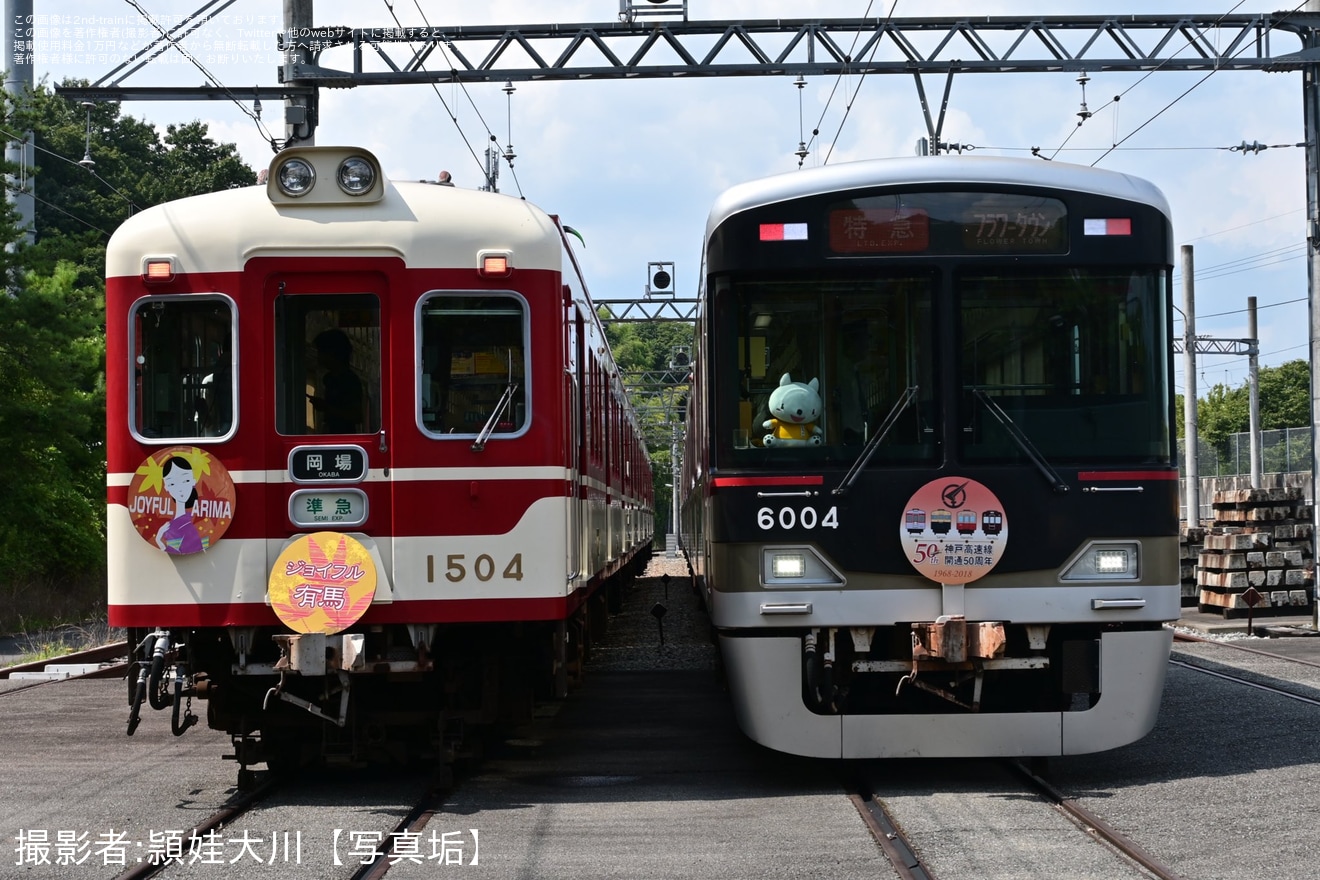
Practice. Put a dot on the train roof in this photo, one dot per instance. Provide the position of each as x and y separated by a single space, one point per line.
427 225
932 170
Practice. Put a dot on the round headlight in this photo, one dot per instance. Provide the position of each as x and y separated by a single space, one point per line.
356 175
296 177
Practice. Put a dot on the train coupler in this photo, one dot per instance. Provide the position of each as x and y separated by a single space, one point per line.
949 644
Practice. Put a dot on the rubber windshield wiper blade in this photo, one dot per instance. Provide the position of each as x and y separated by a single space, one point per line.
904 400
500 406
1024 443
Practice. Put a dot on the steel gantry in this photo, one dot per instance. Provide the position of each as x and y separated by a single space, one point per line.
336 56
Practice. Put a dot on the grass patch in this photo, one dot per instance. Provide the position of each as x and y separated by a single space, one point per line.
51 619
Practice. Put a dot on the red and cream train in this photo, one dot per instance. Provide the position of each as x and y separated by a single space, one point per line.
372 474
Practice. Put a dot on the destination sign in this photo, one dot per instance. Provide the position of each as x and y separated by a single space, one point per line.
319 464
948 223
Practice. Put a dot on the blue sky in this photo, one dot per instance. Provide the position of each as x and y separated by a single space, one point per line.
636 165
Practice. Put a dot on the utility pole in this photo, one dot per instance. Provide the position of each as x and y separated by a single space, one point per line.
1311 116
1253 395
1191 467
18 35
299 110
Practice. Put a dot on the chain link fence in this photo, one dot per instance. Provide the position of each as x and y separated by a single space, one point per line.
1285 461
1284 451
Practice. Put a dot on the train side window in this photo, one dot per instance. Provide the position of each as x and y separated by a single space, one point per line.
473 364
183 368
327 364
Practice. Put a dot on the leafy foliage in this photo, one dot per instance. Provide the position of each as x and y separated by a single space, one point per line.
1285 402
52 421
657 349
134 168
52 340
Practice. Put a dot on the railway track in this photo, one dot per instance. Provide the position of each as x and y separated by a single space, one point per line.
1244 680
906 858
1093 824
112 662
239 805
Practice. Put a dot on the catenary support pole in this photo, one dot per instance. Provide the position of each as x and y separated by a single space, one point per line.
1191 467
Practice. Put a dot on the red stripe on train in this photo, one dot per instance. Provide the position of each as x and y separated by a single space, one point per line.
721 482
1128 475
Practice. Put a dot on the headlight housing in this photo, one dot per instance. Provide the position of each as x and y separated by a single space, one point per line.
797 566
296 177
1105 561
356 175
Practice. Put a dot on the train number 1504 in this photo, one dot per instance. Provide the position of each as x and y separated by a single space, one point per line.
792 517
483 567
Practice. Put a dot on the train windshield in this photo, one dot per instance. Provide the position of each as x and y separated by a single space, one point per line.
1073 361
183 369
473 362
854 344
327 369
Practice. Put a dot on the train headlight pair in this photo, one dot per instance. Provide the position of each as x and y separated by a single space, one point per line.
296 176
797 567
1105 561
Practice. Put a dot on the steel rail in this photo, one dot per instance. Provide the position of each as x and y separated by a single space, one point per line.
1187 637
1094 825
892 841
1244 681
240 804
91 655
413 823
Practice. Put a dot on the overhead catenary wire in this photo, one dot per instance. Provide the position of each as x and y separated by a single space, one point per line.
92 171
56 208
815 132
252 114
1187 92
847 110
453 117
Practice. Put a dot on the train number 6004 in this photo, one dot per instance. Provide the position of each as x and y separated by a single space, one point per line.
791 517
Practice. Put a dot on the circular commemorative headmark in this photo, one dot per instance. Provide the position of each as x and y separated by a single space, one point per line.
322 583
954 530
181 500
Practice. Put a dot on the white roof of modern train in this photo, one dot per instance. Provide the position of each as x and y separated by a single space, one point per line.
916 172
429 226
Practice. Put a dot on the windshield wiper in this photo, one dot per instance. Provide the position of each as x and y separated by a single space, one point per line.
874 443
500 406
1051 475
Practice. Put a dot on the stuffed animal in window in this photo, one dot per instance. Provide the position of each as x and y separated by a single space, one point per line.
794 407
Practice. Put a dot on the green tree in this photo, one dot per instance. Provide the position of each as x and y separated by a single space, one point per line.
1285 395
1285 402
658 349
132 168
52 341
52 425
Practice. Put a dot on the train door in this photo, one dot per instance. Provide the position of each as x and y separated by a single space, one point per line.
575 443
331 407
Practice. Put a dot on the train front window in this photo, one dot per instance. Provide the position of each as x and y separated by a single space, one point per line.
1075 360
857 343
473 364
327 364
183 368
